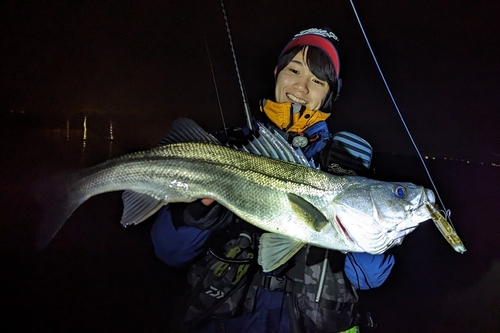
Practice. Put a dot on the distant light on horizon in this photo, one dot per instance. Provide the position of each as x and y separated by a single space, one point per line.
84 127
111 130
434 158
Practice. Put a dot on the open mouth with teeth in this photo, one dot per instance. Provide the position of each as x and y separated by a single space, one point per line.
296 99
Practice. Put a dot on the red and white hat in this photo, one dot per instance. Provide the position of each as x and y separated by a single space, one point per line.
322 38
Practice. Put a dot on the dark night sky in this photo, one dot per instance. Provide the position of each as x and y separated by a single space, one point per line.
149 58
144 63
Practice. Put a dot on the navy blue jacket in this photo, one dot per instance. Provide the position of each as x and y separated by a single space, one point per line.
178 245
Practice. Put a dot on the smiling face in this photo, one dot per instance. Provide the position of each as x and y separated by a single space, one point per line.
297 84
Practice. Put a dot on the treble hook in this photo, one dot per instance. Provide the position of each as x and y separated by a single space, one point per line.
445 227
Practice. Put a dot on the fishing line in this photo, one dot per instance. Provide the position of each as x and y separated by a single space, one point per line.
243 93
213 74
446 211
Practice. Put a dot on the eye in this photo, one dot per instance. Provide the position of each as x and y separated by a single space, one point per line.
320 82
399 191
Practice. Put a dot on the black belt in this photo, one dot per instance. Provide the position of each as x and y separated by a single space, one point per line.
278 283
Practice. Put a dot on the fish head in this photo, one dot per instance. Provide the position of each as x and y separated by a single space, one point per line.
376 215
395 203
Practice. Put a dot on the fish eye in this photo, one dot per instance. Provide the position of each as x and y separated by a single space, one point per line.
399 191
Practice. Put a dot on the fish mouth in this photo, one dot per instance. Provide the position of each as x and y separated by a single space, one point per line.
427 197
430 196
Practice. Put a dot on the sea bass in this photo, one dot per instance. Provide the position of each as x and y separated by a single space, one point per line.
295 204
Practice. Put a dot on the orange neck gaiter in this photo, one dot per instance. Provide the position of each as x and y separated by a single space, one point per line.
291 118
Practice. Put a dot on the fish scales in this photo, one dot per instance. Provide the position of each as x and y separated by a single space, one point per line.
345 213
163 174
295 203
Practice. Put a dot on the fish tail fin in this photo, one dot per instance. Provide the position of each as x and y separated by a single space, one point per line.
57 206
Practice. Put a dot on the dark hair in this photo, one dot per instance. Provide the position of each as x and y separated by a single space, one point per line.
319 64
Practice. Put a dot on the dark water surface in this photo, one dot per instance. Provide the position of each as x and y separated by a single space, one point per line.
97 276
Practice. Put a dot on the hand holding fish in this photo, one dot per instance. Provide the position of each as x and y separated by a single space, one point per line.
207 202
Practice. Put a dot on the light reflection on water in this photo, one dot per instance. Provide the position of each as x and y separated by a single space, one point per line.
138 132
91 137
87 150
82 128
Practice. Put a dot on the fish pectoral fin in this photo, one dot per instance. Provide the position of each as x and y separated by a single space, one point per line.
137 207
276 249
307 213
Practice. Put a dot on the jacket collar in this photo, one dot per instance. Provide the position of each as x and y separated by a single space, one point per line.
291 117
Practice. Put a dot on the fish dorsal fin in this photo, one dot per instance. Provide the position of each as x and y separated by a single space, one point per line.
267 146
271 144
276 249
186 130
137 207
306 212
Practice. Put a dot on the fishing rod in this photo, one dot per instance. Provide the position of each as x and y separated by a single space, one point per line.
213 73
248 115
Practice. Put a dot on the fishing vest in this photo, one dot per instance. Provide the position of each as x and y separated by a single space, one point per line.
221 279
322 296
225 283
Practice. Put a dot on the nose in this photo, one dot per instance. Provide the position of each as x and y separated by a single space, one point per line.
301 85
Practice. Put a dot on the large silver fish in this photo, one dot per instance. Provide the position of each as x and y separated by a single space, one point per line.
296 204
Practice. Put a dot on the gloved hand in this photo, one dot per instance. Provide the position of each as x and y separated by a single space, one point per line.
337 160
234 136
207 201
212 217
